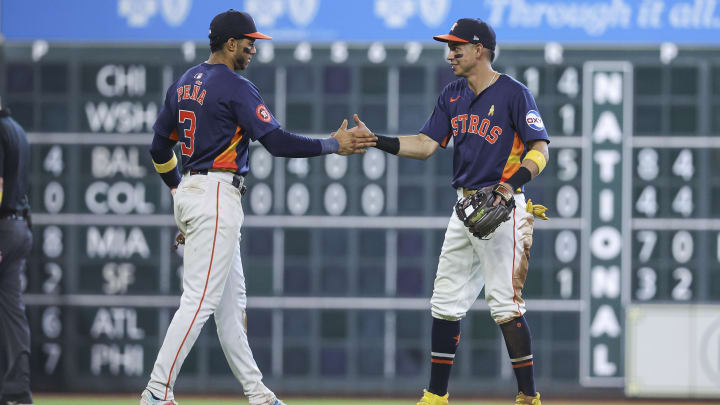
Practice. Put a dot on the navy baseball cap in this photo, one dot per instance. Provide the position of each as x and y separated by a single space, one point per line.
470 30
234 24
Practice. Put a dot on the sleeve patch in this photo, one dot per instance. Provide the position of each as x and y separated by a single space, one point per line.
532 118
262 113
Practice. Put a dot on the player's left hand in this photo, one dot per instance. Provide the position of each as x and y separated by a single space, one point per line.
482 213
503 193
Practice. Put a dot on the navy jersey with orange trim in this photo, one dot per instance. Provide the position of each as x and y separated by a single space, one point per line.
489 131
214 113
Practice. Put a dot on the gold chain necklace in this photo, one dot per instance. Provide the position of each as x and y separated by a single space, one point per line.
492 79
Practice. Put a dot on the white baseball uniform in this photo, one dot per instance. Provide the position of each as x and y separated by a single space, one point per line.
489 133
499 264
208 210
214 113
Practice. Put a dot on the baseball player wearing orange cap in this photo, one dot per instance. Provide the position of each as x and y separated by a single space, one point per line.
500 144
214 113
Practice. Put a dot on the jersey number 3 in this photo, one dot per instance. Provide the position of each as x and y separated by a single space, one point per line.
188 143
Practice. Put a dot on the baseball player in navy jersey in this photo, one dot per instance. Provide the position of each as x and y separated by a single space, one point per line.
214 113
499 142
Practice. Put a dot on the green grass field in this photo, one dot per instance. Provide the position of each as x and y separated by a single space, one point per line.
133 400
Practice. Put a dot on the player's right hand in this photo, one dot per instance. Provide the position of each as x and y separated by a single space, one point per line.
355 140
179 240
360 125
368 137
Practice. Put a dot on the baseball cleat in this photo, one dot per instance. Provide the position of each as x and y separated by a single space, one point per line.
148 399
523 399
432 399
267 399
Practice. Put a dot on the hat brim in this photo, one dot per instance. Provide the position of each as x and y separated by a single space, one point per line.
258 35
449 38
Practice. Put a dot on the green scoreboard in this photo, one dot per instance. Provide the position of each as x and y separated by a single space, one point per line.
340 252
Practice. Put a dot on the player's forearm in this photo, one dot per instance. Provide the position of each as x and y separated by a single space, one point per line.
536 163
414 146
532 165
282 143
165 161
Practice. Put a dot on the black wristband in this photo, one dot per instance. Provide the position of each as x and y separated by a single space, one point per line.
388 144
520 178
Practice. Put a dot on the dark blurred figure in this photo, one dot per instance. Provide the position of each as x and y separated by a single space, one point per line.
15 243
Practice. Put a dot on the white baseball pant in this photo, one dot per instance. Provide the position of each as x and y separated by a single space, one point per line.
208 211
499 264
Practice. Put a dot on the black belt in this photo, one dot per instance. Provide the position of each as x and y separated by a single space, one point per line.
16 215
12 216
237 181
469 191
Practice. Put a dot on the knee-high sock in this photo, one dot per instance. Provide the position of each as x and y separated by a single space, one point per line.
518 342
445 340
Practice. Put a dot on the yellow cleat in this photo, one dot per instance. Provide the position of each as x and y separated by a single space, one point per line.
523 399
431 399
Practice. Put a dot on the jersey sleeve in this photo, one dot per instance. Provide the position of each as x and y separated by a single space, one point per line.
166 122
437 126
526 118
251 112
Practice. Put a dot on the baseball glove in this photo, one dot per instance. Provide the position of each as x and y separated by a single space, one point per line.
478 213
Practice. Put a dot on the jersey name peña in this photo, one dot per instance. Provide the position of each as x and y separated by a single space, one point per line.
183 93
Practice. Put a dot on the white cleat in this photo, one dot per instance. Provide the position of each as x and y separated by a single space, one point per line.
268 399
147 399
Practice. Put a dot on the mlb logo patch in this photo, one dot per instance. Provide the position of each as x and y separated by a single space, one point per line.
534 121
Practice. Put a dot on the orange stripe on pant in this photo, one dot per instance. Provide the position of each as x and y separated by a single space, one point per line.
528 363
441 361
207 280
